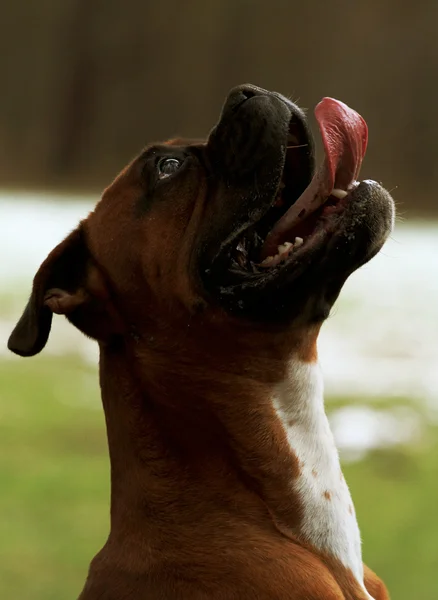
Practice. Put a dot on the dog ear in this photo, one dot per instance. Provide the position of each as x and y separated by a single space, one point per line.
66 283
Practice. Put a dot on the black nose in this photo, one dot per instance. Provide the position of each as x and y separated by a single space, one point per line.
241 94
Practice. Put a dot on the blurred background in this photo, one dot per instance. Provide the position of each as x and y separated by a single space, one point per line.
84 86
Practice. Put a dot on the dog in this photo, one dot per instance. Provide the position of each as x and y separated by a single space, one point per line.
205 273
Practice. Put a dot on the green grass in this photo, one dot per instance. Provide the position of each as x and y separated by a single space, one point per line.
54 478
396 498
54 489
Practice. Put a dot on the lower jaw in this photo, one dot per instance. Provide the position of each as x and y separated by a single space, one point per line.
300 239
303 231
309 247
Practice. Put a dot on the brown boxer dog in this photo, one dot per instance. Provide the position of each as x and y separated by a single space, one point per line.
205 273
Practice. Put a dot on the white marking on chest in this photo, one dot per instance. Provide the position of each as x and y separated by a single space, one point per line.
329 521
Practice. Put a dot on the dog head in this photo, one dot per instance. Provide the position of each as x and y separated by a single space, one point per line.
201 229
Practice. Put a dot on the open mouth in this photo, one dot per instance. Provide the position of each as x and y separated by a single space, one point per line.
292 223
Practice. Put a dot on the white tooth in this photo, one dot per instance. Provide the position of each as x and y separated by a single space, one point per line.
284 247
337 193
298 242
267 261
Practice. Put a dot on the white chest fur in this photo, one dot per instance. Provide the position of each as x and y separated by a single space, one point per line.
329 522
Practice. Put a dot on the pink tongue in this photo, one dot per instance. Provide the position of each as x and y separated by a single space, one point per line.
345 136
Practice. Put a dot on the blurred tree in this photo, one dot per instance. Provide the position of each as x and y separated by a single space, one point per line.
87 84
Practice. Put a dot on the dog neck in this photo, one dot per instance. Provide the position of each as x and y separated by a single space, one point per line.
187 433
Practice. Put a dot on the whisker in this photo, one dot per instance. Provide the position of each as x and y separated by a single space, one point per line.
300 146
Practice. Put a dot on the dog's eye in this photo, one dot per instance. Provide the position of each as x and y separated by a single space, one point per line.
168 166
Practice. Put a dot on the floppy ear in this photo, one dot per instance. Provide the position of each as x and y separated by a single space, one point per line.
61 285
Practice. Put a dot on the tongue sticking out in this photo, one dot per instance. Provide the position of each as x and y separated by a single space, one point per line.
344 135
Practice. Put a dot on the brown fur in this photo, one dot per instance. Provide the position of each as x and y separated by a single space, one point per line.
201 499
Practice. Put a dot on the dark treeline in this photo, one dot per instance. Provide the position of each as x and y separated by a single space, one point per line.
86 83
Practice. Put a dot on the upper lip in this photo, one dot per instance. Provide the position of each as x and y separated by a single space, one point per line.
285 181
